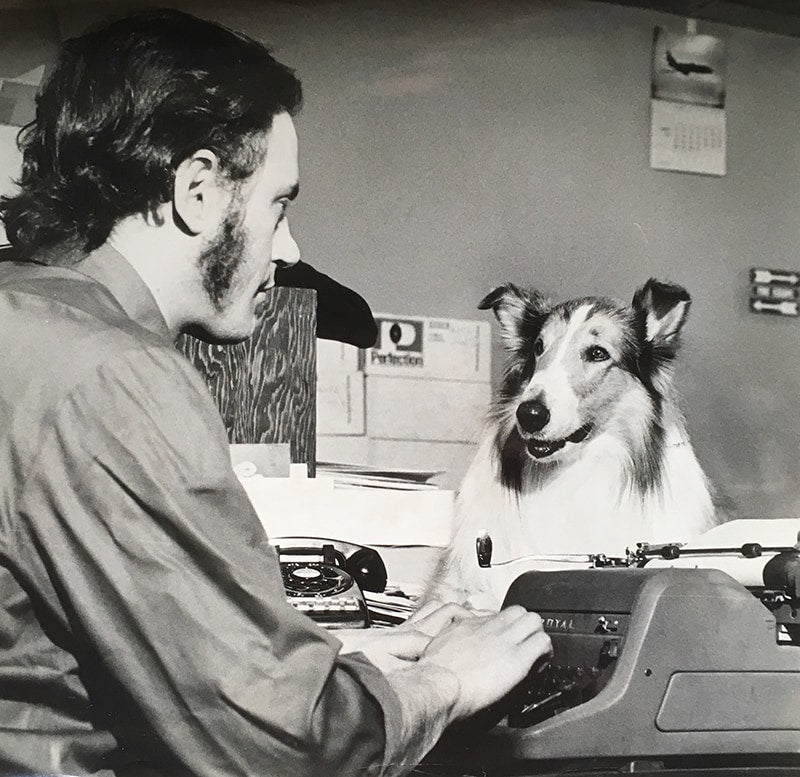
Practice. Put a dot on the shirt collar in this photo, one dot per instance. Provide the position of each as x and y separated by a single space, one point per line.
111 269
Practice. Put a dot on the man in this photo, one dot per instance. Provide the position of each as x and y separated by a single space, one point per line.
143 624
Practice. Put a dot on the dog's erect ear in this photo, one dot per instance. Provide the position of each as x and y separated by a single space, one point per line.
515 309
495 297
662 308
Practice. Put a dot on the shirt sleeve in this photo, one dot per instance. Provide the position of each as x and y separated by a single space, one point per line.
147 548
342 314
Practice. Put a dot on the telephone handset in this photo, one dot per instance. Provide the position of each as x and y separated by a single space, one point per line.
325 579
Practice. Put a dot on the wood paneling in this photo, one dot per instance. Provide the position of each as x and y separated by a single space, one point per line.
265 387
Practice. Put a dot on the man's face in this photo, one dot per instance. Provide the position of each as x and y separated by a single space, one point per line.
238 263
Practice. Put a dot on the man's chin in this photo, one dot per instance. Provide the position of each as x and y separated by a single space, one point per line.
218 334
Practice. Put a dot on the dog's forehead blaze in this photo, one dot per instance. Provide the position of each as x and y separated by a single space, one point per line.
568 330
571 323
607 327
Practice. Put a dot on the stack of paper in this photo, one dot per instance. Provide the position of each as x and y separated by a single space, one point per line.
389 608
363 476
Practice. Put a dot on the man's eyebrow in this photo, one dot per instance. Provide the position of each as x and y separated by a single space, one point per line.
289 194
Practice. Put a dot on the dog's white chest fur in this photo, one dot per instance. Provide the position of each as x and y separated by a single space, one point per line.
584 510
588 509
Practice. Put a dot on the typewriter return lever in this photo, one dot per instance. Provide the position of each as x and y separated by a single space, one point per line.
781 593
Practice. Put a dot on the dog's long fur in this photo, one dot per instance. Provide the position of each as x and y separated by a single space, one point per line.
585 450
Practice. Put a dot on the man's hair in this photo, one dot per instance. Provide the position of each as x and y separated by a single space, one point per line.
126 103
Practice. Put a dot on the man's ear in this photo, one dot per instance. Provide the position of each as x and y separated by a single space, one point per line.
662 309
196 194
515 309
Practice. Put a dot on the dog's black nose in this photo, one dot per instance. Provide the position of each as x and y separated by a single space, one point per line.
532 415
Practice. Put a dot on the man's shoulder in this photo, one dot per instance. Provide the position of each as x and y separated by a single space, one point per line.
67 346
59 327
58 308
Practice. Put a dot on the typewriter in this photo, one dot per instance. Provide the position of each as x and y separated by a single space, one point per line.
661 664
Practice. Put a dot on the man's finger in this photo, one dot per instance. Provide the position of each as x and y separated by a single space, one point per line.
538 650
540 643
523 627
509 615
425 610
482 604
407 644
437 619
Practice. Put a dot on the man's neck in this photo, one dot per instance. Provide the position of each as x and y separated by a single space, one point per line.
110 269
162 258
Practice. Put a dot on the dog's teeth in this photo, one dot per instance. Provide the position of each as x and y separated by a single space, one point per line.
540 450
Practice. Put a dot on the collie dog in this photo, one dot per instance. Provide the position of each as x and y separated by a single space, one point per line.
585 450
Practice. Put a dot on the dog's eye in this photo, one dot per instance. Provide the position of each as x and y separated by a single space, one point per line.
597 354
538 347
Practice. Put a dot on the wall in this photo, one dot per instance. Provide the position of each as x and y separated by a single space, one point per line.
449 146
29 38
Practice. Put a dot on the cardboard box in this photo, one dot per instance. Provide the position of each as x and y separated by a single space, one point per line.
421 347
412 409
345 449
340 404
337 358
340 389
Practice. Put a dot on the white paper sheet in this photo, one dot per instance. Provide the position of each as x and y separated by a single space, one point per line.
297 507
687 138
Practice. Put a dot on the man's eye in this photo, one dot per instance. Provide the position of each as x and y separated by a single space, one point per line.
597 354
538 347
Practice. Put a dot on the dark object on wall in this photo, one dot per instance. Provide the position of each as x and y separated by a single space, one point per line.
265 387
342 314
687 67
776 292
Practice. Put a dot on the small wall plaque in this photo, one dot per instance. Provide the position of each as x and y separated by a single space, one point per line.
775 291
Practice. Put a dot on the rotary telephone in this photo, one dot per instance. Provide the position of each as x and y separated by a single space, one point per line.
325 579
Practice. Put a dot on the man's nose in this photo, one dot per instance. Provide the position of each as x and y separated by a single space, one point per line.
284 249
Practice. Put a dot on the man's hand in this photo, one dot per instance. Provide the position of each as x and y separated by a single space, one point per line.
388 649
434 616
485 655
489 655
391 649
468 663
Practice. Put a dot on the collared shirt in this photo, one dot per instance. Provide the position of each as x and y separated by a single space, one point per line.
143 623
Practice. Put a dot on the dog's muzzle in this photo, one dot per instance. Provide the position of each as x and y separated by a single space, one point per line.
541 449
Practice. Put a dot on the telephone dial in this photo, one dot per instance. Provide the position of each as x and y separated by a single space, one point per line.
325 579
